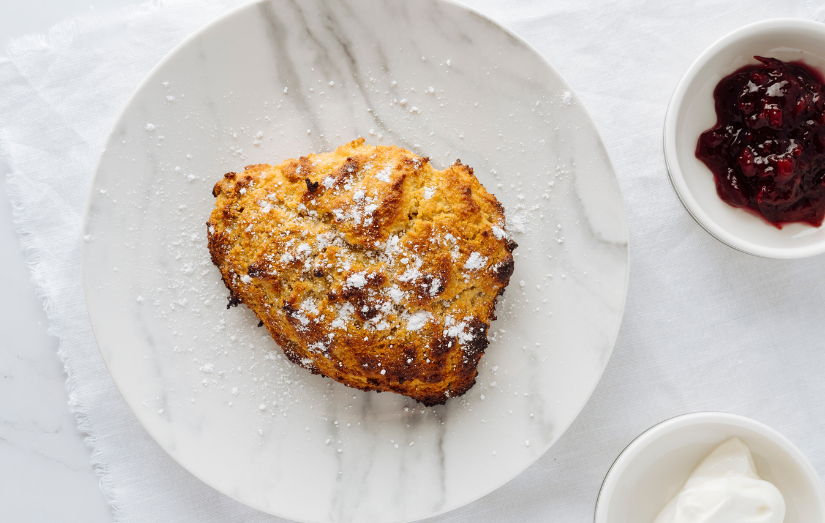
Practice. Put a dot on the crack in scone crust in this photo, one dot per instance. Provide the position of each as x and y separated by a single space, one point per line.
366 265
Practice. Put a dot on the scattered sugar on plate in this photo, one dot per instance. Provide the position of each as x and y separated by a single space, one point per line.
276 380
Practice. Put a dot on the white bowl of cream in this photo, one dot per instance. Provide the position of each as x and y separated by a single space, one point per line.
656 467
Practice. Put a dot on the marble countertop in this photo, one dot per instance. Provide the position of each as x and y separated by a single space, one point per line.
46 473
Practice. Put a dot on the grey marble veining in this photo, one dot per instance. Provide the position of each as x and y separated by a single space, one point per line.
278 79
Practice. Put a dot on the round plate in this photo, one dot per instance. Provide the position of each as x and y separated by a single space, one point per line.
277 79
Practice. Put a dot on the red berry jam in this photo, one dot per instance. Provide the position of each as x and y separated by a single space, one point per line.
767 150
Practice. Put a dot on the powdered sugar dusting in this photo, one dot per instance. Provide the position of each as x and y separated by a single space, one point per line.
384 174
455 329
475 262
396 294
308 305
417 320
357 280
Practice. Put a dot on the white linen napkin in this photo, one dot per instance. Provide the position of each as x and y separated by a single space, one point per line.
706 327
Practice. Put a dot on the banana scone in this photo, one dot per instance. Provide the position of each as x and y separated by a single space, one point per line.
367 265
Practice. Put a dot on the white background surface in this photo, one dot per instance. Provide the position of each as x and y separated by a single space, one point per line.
45 474
706 328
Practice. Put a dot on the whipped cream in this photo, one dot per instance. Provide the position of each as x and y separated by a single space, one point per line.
725 488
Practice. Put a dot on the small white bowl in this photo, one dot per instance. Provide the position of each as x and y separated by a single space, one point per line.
692 111
655 466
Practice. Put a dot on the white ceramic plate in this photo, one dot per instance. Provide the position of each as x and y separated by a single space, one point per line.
692 111
655 466
278 79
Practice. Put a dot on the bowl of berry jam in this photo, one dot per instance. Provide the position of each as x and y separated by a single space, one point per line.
744 139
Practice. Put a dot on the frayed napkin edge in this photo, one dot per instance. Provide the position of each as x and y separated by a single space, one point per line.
61 35
80 410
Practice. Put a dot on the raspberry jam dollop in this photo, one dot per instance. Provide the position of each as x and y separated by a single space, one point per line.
767 150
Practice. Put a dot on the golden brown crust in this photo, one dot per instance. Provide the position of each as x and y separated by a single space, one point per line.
367 265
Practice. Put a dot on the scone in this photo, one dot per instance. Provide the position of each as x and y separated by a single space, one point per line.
367 265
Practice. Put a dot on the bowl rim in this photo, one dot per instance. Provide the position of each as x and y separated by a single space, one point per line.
674 170
643 440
